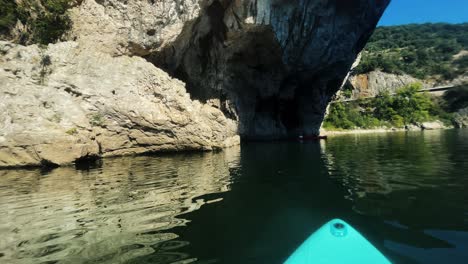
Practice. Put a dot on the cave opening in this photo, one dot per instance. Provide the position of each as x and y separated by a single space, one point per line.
289 114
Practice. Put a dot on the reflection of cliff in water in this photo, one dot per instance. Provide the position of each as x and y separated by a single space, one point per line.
412 181
405 192
278 197
109 214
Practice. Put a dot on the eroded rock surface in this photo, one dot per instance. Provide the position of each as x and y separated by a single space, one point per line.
273 64
433 125
375 82
60 104
135 27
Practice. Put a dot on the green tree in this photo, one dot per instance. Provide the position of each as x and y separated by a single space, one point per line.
8 15
384 106
462 64
49 27
412 105
45 20
407 106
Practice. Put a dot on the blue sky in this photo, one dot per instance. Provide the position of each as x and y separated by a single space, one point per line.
423 11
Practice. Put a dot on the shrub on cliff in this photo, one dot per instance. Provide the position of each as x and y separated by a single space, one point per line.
412 105
45 21
49 27
350 115
462 64
8 16
407 106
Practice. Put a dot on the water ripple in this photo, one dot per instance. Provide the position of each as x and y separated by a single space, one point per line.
111 214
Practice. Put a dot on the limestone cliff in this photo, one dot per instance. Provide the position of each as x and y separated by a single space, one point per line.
60 104
273 65
375 82
258 69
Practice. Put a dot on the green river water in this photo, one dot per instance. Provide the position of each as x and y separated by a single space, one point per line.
406 192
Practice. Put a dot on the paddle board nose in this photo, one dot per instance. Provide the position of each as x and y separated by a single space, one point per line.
338 228
337 242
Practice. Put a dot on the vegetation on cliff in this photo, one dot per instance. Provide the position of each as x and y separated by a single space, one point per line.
43 21
7 15
423 51
407 106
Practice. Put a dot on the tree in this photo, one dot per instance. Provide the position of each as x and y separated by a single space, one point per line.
45 21
421 51
7 15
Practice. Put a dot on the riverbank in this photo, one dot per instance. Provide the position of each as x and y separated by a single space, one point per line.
359 131
377 130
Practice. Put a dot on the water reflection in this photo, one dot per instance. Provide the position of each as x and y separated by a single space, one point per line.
280 194
414 183
110 214
406 192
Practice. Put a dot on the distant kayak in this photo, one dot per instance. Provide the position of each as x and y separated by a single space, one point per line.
337 242
311 137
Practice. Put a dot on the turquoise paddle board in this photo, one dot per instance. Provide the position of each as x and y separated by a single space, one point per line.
337 242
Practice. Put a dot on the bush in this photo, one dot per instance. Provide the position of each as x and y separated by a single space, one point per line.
462 63
72 131
349 116
56 6
51 24
49 27
46 61
97 119
407 106
45 23
397 121
8 15
412 105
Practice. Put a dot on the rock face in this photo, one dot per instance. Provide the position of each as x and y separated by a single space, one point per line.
373 83
272 64
135 27
61 104
432 125
258 69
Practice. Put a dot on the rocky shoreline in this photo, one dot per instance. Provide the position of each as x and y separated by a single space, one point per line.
436 125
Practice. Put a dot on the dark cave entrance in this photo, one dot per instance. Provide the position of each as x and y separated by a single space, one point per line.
289 114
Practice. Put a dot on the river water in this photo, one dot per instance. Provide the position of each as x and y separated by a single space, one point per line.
406 192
